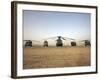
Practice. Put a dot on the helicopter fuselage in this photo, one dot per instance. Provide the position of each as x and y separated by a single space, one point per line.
28 43
45 44
59 42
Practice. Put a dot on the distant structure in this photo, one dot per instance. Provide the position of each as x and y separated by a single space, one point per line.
28 43
73 43
45 44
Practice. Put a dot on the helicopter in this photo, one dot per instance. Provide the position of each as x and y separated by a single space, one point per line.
86 42
59 41
28 43
45 44
73 43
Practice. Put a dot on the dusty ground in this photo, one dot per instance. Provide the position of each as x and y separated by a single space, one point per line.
48 57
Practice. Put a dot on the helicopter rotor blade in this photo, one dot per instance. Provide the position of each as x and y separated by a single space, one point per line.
52 38
32 40
63 38
81 41
35 40
68 38
25 40
84 40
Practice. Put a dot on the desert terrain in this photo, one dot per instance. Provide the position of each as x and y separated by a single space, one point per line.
52 57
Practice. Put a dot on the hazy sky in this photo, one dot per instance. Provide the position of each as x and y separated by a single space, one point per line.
38 25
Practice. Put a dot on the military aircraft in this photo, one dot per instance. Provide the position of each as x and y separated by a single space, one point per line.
59 41
86 42
29 43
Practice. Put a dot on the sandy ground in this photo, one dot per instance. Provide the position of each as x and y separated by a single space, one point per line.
51 57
